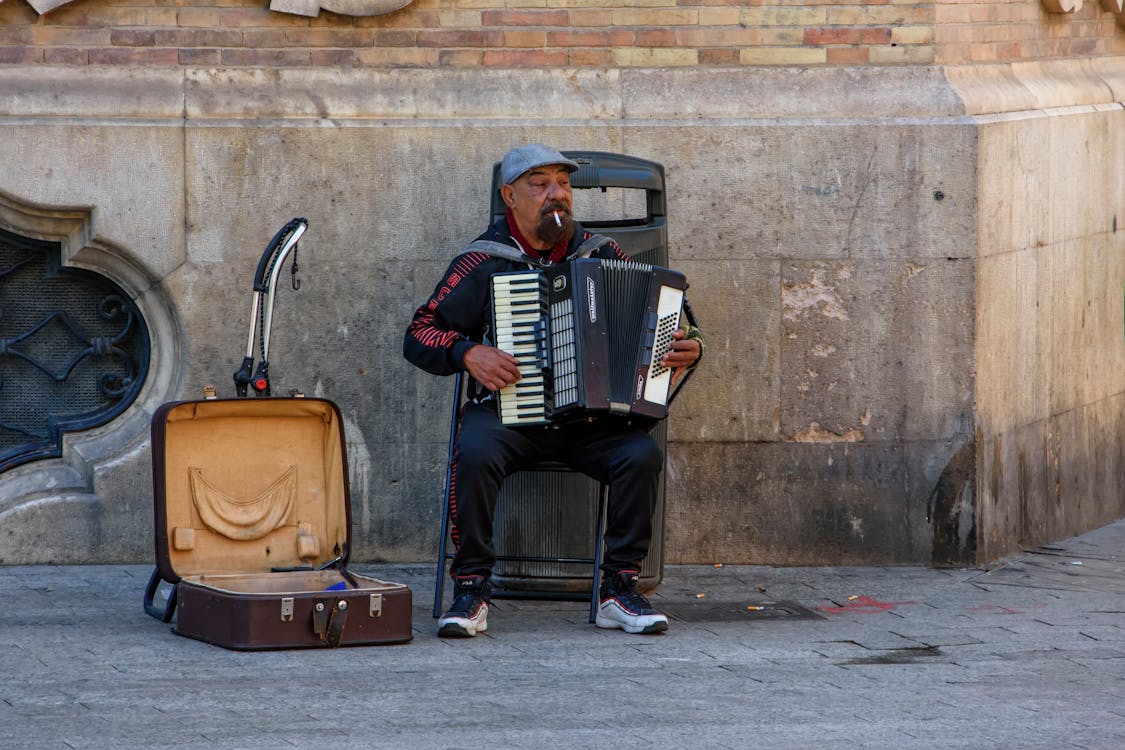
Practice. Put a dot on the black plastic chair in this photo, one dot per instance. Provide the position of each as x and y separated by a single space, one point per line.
444 555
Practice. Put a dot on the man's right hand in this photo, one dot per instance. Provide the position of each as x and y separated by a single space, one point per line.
492 367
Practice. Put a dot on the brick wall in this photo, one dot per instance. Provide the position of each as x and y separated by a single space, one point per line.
555 33
975 31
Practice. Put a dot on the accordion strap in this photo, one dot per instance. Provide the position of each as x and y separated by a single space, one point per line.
592 243
500 250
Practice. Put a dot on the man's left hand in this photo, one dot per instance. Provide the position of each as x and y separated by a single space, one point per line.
682 354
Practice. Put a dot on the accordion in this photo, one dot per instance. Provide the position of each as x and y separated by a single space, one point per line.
589 336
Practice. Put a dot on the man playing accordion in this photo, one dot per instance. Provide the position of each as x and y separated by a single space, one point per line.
449 333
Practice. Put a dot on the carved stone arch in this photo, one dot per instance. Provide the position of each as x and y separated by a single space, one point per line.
1117 7
312 8
71 472
1062 6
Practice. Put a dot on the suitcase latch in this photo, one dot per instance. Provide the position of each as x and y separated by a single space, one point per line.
320 619
287 609
376 605
329 619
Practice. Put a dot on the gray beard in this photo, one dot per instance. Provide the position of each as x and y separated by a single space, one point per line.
550 233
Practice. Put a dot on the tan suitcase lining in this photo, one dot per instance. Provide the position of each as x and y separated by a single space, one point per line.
248 492
287 583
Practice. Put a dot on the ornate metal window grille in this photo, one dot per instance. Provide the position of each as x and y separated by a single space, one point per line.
74 350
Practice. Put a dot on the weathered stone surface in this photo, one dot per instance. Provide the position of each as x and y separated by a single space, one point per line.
62 93
132 175
1044 479
807 503
453 98
1026 86
1049 326
883 280
733 395
876 350
797 92
802 190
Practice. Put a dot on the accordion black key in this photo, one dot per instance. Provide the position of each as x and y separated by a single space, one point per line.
589 336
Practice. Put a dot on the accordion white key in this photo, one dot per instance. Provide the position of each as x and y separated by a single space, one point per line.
589 336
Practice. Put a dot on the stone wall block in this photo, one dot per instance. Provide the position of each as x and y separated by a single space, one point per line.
792 91
1101 323
1017 488
1077 175
132 176
1061 83
1062 309
856 503
1082 474
111 91
1011 383
449 94
733 395
876 350
1007 200
1115 154
803 191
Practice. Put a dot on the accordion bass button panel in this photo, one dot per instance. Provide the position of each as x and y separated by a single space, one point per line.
564 354
659 380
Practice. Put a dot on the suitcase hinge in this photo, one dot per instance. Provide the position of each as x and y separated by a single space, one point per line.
287 609
336 624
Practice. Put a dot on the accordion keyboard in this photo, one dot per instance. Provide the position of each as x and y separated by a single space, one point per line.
519 312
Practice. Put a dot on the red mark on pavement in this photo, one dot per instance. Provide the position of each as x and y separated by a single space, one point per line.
864 605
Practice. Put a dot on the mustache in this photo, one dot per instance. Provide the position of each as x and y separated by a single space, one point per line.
550 208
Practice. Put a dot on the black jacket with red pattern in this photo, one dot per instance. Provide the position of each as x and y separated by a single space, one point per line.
458 315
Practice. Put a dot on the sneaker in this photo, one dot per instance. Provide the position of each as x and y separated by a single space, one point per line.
623 607
468 614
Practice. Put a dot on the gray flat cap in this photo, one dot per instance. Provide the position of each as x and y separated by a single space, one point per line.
522 158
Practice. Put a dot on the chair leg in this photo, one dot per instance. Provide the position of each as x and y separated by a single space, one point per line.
454 428
599 545
439 578
442 556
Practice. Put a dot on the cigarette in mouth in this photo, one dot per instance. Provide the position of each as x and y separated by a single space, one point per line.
558 221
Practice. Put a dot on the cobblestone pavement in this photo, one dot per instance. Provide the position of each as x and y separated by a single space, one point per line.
1029 653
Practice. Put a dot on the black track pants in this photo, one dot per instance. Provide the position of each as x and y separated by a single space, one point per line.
627 458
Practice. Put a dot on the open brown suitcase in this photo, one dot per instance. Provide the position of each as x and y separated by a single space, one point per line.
253 528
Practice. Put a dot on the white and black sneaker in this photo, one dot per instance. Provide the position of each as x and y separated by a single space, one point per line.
468 614
625 608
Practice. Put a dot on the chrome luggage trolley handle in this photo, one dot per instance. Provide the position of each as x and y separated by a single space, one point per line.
261 307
